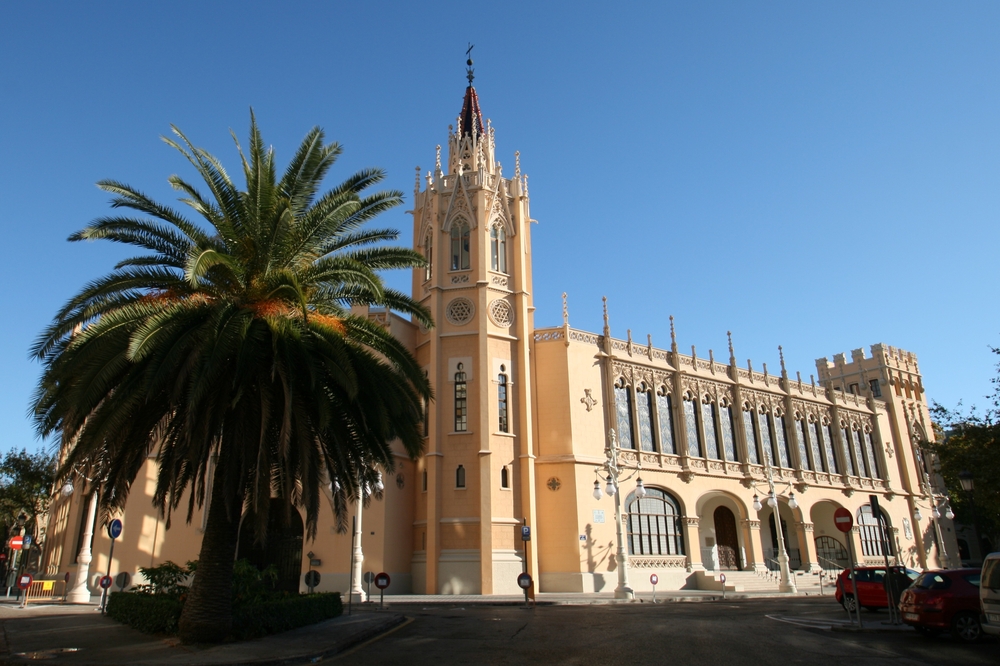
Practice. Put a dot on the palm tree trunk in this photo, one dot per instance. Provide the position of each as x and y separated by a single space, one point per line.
208 611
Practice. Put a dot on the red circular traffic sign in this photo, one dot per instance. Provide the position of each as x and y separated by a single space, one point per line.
654 579
843 519
722 578
106 582
16 542
382 580
24 581
524 581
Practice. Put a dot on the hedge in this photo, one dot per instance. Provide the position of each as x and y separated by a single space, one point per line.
150 613
157 614
272 617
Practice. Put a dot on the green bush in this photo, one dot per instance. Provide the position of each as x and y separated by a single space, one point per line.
166 579
271 617
150 613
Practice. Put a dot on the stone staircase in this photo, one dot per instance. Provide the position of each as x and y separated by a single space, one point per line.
752 581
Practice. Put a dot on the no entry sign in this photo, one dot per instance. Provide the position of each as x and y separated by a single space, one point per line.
524 581
843 519
105 582
382 580
24 581
654 579
16 542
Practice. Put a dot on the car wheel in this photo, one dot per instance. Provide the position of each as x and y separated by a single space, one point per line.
849 603
966 627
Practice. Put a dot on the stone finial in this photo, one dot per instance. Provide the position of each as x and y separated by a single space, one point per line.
525 184
517 164
416 183
711 358
798 375
732 354
437 159
649 346
781 357
812 380
565 310
607 325
673 336
765 370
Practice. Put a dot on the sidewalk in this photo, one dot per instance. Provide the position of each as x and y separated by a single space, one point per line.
577 599
81 635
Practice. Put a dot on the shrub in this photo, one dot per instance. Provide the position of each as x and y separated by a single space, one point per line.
271 617
166 579
150 613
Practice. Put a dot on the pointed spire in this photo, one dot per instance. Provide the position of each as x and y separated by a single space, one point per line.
471 119
565 310
781 356
607 326
732 354
437 160
673 336
416 184
517 165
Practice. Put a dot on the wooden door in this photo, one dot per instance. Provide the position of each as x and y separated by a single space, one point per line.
727 540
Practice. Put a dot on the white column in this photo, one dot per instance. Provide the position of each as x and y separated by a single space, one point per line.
80 594
357 592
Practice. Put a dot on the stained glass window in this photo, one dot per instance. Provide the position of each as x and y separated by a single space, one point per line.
831 456
691 427
859 452
623 408
765 437
498 249
728 441
711 441
642 405
819 460
460 246
664 409
781 439
872 455
845 435
751 436
800 428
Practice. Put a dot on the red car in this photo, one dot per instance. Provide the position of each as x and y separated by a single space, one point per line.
871 587
942 601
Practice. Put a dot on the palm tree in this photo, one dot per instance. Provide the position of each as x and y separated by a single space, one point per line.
232 347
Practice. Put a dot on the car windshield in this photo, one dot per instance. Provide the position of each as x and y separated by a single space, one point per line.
912 574
932 581
972 579
991 575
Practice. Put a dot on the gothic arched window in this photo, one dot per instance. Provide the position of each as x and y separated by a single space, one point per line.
871 537
460 477
623 411
504 477
461 400
708 418
654 524
750 433
665 410
460 246
728 441
691 412
502 399
643 407
498 248
429 256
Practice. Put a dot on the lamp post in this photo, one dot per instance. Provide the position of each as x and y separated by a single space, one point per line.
787 583
969 486
357 591
613 467
928 491
80 594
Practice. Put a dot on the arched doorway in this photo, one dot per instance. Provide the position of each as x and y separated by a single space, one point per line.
282 547
831 553
727 539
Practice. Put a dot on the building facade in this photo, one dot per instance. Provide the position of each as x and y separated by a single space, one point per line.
522 417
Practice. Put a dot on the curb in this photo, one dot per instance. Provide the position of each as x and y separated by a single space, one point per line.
598 602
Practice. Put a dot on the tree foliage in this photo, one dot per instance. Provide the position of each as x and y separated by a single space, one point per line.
968 440
25 486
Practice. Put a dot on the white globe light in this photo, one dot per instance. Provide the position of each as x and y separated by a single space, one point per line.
597 490
949 514
379 486
757 506
771 502
67 489
610 488
935 512
792 504
640 490
917 516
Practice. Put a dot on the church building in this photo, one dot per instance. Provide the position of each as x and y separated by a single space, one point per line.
717 467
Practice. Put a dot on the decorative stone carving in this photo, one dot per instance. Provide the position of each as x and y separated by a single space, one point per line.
554 484
501 313
588 399
693 521
460 311
677 562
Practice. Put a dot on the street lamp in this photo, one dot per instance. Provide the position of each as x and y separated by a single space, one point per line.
969 486
787 583
613 467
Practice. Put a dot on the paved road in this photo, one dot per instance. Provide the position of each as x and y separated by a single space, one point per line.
694 634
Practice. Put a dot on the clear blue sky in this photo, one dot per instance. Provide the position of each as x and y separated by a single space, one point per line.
817 175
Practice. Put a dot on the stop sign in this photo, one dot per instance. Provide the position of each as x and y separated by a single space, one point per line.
16 542
843 519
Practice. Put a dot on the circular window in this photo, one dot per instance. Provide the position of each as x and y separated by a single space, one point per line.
460 311
501 313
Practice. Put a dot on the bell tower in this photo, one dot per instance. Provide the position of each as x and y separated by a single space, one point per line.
476 478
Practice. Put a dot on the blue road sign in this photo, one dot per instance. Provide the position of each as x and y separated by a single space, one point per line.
115 529
26 542
525 533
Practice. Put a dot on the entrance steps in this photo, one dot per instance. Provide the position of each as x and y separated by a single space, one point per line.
736 581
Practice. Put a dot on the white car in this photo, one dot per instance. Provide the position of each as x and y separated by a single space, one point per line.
989 594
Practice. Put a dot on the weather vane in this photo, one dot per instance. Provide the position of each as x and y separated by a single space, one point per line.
470 74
